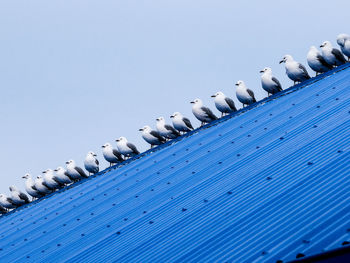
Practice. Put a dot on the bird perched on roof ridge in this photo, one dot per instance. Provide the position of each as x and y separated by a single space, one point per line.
332 55
181 123
244 95
30 187
343 41
269 83
62 175
91 163
126 148
17 196
111 155
223 103
151 136
202 113
74 171
50 180
41 186
7 202
166 130
316 61
295 70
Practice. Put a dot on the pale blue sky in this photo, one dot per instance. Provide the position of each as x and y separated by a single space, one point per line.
76 74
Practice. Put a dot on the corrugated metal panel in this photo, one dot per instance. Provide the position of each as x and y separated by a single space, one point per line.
261 185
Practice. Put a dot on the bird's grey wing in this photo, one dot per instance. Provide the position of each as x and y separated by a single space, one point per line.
209 113
97 162
10 200
24 197
278 84
306 74
117 154
132 147
45 184
67 174
188 123
230 103
34 188
338 55
251 93
81 172
157 135
323 61
171 128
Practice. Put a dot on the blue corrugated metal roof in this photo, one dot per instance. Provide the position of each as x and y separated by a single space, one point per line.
264 184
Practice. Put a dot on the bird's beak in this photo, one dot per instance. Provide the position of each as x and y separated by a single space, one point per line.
23 177
157 119
281 61
140 129
213 96
55 170
67 162
95 155
262 71
172 116
117 140
321 46
44 172
192 102
236 84
103 146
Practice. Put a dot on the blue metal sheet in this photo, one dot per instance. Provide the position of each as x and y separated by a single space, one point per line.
263 184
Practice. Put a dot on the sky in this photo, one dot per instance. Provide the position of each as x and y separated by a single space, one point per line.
77 74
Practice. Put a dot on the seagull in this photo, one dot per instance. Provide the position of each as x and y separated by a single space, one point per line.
332 55
75 172
269 83
343 41
126 148
50 180
181 123
244 95
41 186
202 113
91 163
111 155
316 61
295 71
6 202
62 176
166 130
30 187
223 104
151 136
18 197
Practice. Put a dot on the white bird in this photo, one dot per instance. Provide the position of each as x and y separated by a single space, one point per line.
223 104
74 171
41 186
202 113
294 70
151 136
91 163
343 41
316 61
244 95
181 123
30 186
126 148
332 55
166 130
62 176
111 155
6 202
50 180
17 196
269 83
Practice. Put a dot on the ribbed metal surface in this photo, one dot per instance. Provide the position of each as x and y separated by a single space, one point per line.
261 185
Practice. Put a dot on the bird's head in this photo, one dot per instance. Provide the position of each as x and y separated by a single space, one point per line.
121 139
239 83
286 58
26 176
91 153
219 93
197 102
107 144
39 177
160 119
175 114
70 162
325 44
265 70
58 169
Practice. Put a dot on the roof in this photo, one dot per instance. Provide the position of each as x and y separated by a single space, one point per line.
266 183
